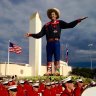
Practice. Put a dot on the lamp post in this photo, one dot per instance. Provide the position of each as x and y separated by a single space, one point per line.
90 45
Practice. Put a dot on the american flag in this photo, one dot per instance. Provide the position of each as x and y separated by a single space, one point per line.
14 48
67 55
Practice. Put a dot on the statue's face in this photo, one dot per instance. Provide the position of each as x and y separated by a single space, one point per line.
53 16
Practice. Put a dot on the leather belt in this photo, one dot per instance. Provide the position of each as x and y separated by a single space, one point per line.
53 39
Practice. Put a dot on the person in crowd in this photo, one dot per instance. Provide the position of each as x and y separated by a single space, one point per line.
11 82
4 88
36 91
79 87
59 89
53 88
69 87
13 90
28 87
42 86
93 83
47 91
21 91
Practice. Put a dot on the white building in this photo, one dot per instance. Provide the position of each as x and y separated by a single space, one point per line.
26 70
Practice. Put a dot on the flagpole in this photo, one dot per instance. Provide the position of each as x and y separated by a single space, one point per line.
8 51
66 46
7 64
66 54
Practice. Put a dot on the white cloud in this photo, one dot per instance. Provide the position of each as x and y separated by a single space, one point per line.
86 52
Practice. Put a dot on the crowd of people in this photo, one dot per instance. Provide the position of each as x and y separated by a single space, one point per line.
65 87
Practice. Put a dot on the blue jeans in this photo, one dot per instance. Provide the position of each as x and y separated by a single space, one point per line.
53 48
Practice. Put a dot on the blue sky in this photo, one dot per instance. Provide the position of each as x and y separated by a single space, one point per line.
14 23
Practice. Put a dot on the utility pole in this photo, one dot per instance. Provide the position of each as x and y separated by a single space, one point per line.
90 46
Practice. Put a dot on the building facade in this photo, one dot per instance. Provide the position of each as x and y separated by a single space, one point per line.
26 70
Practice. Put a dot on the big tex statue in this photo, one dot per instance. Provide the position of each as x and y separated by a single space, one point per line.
52 30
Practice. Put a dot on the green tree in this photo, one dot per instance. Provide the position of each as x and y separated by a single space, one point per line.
85 72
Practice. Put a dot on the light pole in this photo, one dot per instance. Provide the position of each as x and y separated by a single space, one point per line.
90 45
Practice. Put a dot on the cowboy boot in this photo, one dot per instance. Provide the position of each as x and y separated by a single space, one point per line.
49 68
57 68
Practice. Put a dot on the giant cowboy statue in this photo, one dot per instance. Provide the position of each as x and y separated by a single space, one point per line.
52 30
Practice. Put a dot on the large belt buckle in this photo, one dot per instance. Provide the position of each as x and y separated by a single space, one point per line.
55 31
56 39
